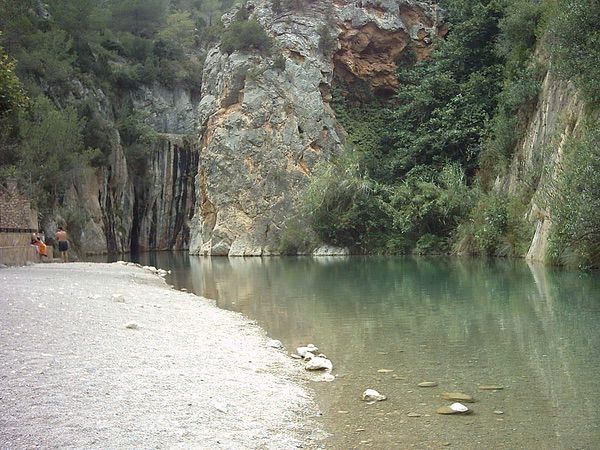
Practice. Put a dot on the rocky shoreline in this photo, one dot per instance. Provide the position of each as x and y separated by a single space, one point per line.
109 356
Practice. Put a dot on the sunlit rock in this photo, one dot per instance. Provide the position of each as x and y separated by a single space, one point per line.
491 387
318 363
308 348
132 326
308 356
371 395
119 298
454 408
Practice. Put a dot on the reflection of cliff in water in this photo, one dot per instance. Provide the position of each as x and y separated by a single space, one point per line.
462 322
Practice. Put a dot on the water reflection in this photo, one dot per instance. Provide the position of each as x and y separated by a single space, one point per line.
460 322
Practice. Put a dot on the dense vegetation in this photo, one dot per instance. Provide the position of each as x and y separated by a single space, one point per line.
55 57
421 178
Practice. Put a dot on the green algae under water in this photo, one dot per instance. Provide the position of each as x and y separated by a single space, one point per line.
462 323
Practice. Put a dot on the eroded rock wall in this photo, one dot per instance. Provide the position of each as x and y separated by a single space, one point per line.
265 122
164 201
121 206
557 116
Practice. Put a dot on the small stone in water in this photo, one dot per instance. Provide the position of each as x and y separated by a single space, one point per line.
454 408
371 395
343 412
360 429
413 414
498 412
385 370
491 387
427 384
457 396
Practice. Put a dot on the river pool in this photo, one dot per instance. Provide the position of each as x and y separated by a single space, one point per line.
389 323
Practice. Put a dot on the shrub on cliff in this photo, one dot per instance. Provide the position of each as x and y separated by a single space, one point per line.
574 34
245 35
575 203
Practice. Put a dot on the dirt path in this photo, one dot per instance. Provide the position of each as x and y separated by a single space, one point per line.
72 375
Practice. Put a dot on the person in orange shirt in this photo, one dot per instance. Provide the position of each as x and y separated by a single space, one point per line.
41 247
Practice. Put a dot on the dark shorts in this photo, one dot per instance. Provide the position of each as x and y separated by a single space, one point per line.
63 246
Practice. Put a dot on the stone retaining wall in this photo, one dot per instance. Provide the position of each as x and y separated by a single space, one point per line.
17 224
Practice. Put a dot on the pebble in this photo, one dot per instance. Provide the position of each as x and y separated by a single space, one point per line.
427 384
454 408
413 414
457 397
132 326
498 412
385 370
371 395
491 387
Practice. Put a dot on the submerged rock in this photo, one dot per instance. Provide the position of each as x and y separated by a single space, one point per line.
457 396
371 395
454 408
427 384
491 387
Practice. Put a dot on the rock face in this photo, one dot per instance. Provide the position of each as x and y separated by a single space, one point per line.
557 117
126 206
164 200
265 120
375 35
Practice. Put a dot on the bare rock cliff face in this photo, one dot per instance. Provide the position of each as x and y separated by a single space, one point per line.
557 117
123 207
164 202
265 122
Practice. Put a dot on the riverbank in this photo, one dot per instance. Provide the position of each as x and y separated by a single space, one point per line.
109 356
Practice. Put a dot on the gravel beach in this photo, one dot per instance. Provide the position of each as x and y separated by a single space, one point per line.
109 356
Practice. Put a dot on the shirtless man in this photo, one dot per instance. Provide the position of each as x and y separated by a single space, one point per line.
63 243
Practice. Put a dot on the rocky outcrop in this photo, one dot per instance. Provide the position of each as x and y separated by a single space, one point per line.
557 116
375 35
265 120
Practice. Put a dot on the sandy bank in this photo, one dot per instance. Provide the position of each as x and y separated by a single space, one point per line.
191 376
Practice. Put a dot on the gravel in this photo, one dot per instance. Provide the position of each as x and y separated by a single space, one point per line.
109 356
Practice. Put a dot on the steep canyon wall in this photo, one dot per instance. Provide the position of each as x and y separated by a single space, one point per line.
266 122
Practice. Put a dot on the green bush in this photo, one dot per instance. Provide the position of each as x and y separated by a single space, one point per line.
342 204
296 238
574 36
575 203
496 226
245 35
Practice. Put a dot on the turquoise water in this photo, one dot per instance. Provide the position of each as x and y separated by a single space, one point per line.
462 323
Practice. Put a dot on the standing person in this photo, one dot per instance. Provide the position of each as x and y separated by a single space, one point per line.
63 243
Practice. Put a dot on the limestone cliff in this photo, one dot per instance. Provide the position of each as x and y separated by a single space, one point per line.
127 206
558 114
265 120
